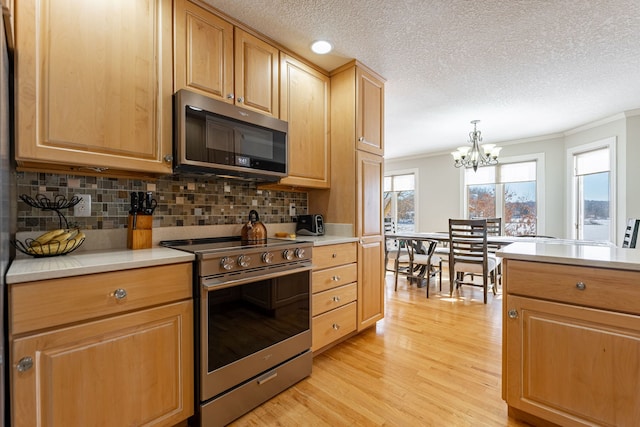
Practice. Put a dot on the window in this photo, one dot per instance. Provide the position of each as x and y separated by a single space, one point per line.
508 191
592 214
399 202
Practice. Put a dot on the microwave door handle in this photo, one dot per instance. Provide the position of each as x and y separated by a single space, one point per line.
209 284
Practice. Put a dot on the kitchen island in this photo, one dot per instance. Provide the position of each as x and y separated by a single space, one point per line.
571 334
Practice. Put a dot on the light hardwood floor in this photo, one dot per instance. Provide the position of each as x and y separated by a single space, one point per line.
430 362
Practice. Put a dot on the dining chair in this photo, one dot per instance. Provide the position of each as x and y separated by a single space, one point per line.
419 263
631 233
469 255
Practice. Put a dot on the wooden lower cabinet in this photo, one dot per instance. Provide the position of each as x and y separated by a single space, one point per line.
132 368
335 291
568 363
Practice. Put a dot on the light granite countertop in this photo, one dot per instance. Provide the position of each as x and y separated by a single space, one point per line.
30 269
574 254
325 240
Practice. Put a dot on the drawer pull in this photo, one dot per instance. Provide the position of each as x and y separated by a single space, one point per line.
267 377
120 294
513 313
25 364
335 278
335 326
336 299
334 255
581 286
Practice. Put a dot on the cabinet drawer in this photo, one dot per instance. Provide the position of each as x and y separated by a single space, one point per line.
332 277
332 255
334 298
617 290
49 303
333 325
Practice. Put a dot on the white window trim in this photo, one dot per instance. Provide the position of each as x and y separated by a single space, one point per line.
416 191
540 187
610 143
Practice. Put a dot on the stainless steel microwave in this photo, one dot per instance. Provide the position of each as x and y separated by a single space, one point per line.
213 137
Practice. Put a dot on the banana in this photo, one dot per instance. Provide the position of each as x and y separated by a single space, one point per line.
46 237
64 237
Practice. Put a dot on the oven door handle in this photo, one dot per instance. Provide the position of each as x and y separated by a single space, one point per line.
209 284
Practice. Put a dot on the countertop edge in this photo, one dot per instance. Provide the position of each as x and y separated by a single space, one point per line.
33 269
326 239
571 254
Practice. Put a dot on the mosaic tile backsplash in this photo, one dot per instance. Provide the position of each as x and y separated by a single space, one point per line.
182 201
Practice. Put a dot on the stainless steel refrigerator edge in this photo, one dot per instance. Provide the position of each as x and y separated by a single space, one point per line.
8 207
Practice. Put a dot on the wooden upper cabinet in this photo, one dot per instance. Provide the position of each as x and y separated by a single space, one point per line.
216 59
93 84
203 52
304 103
369 112
257 74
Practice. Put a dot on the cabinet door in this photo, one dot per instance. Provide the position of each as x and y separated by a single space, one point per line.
94 83
304 103
369 194
256 74
369 112
204 52
370 281
572 365
129 370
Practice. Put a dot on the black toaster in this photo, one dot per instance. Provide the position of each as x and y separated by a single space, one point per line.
310 225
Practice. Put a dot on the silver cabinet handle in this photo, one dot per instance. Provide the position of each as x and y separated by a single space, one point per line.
513 313
230 96
336 299
241 99
120 294
581 286
361 139
168 158
24 364
335 326
335 278
334 255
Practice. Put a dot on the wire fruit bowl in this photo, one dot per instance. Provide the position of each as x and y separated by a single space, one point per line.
54 248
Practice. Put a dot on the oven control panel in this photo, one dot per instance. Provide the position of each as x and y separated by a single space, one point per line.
265 257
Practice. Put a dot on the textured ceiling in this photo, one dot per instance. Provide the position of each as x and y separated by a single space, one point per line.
525 68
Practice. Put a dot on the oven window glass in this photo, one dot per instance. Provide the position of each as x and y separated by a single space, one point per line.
249 318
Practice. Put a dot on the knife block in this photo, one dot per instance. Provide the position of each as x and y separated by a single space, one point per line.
140 236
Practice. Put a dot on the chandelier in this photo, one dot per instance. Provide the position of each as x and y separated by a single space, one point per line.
476 155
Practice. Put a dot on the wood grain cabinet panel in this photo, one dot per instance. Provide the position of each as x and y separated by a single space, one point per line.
203 52
564 361
93 87
369 112
334 284
304 103
355 195
330 327
110 349
334 255
217 59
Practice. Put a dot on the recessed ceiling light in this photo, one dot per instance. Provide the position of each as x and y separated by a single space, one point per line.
321 47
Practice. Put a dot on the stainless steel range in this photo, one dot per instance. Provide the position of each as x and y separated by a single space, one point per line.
253 333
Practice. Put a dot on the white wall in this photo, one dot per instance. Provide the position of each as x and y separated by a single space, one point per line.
439 181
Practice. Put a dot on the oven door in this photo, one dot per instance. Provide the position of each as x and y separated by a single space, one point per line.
252 324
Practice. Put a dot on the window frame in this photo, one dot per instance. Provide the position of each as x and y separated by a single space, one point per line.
416 191
572 209
540 189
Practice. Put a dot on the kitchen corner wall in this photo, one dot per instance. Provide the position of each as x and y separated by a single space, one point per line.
182 201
